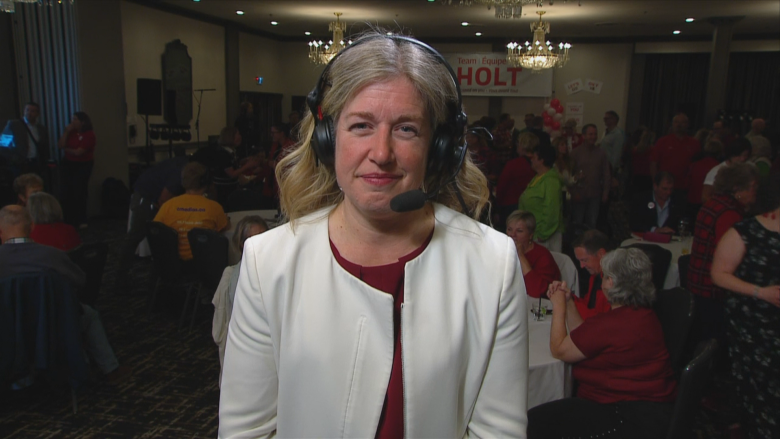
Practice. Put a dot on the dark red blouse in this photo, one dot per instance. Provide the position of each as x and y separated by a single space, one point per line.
58 235
388 279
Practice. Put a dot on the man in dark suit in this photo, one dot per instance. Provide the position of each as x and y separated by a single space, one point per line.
25 142
19 254
656 210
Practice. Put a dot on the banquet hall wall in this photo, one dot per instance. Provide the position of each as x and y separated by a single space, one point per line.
121 41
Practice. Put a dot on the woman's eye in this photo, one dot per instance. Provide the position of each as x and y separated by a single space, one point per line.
407 129
359 126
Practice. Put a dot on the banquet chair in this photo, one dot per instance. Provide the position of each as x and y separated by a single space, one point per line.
210 254
91 258
169 269
682 264
690 388
675 308
40 332
245 199
660 258
568 270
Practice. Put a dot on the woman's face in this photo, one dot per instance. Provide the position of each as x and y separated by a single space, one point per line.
536 163
75 122
748 196
237 139
563 148
382 140
518 231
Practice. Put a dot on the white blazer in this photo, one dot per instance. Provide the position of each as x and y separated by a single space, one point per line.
310 347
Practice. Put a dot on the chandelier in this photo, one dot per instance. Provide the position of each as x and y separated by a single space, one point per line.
321 53
540 54
503 8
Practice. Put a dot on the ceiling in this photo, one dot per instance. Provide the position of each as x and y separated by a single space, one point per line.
593 20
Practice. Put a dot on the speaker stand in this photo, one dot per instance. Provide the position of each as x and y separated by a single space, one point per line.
197 119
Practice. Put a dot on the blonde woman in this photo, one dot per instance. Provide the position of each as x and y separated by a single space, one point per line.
358 320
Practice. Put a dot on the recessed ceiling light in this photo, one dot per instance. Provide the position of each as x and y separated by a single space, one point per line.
274 23
689 20
307 33
465 23
389 34
196 1
239 12
479 34
676 32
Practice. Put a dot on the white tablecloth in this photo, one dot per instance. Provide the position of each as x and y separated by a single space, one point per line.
676 246
548 379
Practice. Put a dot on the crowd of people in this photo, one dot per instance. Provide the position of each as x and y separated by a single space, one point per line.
359 318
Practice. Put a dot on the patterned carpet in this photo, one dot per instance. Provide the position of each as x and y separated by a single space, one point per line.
172 391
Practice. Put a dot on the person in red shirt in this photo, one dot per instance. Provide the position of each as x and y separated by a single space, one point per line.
589 248
48 228
698 172
626 382
674 153
78 143
536 262
515 176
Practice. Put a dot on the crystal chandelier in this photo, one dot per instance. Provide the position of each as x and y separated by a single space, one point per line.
503 8
321 53
540 54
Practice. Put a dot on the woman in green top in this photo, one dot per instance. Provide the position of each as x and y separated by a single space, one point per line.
542 197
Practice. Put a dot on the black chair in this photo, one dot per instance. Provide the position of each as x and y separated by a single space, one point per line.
40 332
168 267
682 264
91 258
660 257
690 389
245 199
210 254
674 309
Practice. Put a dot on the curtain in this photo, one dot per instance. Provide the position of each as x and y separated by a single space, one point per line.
674 83
754 85
268 108
47 63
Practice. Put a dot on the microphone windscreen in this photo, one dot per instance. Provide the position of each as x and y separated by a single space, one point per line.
408 201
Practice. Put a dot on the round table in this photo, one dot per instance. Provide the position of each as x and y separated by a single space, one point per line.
549 379
678 247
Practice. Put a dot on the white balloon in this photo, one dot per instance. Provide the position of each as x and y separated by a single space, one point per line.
546 107
558 117
547 129
551 111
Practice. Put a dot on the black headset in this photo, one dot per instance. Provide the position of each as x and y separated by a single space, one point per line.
445 151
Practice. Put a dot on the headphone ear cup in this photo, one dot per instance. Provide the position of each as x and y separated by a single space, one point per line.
441 155
323 141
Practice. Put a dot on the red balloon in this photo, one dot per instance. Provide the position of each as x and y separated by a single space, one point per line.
546 116
556 125
555 102
559 109
548 122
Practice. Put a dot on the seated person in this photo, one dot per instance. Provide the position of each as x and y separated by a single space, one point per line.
192 209
589 248
226 290
538 265
26 185
626 382
48 226
656 210
19 254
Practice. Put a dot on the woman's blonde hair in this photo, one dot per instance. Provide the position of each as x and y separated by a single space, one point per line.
306 186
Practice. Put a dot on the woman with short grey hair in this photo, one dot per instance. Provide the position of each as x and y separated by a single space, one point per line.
49 227
626 383
630 272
